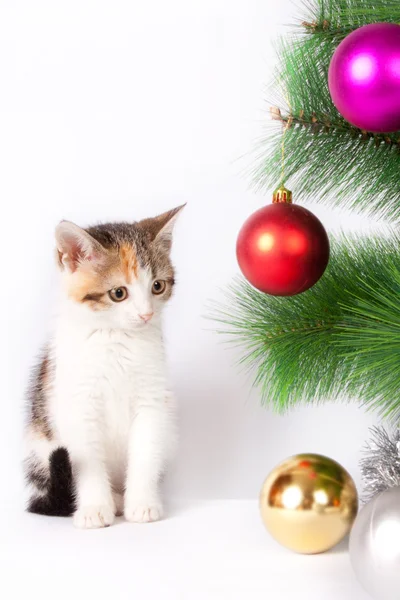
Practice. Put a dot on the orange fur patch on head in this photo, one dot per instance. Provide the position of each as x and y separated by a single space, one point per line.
129 262
90 283
85 284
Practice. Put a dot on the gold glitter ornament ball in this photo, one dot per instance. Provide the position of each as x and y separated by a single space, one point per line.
308 503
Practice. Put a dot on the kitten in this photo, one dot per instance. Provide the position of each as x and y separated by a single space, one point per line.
101 423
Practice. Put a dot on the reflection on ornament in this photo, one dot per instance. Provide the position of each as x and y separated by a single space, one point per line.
321 497
363 68
308 503
291 497
266 242
386 539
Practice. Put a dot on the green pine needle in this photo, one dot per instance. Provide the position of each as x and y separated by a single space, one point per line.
337 18
340 339
327 160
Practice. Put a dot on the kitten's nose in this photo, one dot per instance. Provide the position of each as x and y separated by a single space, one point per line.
146 317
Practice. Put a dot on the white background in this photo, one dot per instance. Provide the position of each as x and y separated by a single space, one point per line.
120 110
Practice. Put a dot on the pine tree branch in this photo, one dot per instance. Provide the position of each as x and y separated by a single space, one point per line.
327 160
339 17
338 340
317 27
324 124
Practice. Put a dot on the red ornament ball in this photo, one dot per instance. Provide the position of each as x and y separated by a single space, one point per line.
282 249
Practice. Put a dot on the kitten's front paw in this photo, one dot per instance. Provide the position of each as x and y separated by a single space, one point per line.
93 517
143 512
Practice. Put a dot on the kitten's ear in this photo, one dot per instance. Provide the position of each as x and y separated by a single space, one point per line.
75 245
160 228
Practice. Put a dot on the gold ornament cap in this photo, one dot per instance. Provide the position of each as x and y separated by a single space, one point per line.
282 195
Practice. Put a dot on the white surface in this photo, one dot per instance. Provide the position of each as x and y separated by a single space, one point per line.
213 550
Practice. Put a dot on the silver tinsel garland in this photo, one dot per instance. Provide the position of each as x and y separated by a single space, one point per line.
380 467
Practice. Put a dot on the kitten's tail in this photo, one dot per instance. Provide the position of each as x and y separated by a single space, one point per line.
58 499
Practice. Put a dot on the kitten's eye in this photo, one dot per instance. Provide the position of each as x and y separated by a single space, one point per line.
158 287
118 294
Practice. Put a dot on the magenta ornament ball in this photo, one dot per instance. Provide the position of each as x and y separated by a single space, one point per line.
364 78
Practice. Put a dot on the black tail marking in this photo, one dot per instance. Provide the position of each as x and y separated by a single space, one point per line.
59 501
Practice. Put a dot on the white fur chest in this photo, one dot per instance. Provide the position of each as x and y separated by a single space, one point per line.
102 379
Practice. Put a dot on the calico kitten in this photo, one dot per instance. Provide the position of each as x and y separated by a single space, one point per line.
101 418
